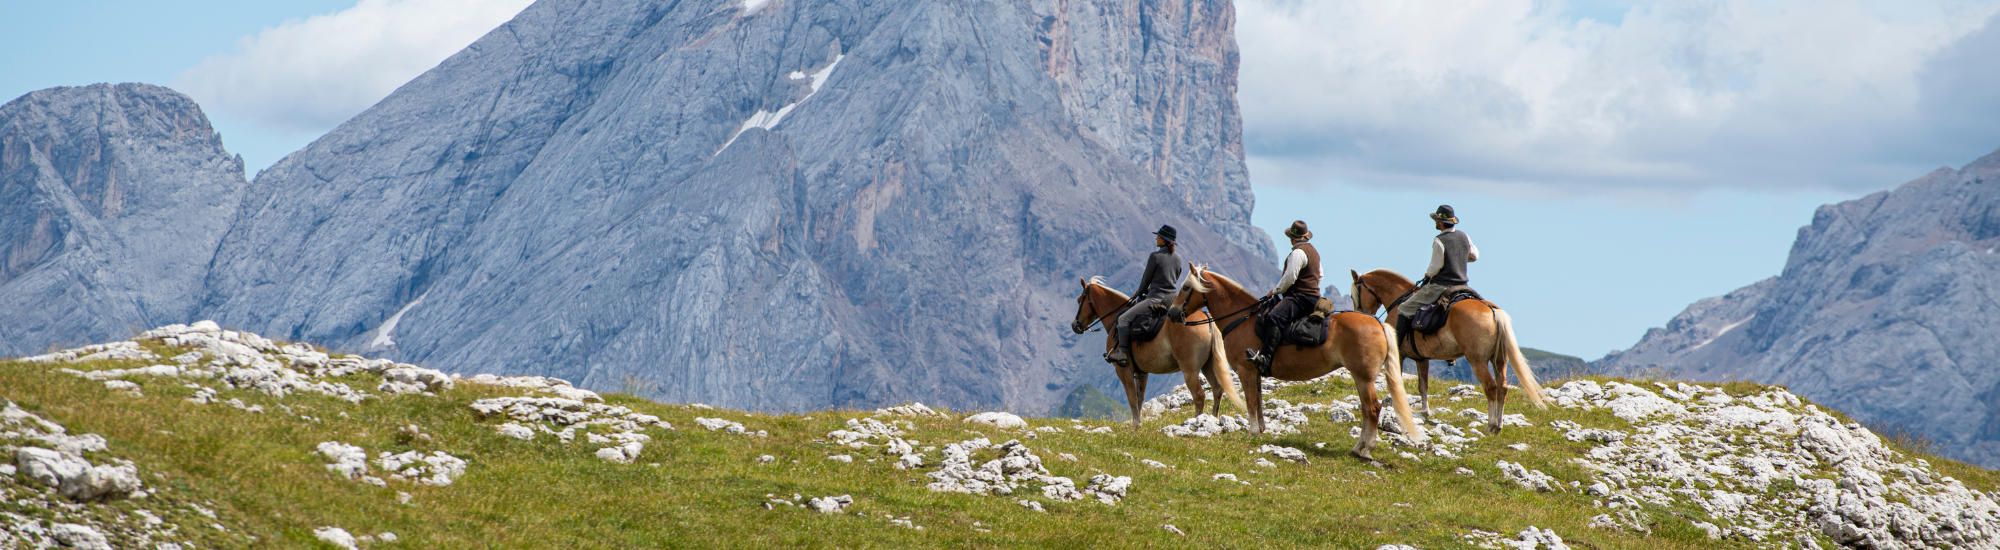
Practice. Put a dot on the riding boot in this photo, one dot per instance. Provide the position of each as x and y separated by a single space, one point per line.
1121 354
1263 360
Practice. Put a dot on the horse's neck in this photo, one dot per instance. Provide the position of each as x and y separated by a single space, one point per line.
1389 287
1106 300
1228 297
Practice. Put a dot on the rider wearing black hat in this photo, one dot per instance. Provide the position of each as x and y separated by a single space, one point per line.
1450 251
1159 284
1298 289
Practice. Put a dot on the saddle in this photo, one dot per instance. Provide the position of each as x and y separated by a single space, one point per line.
1432 317
1147 325
1310 331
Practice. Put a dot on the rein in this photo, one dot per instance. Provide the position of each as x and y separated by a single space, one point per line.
1100 319
1214 318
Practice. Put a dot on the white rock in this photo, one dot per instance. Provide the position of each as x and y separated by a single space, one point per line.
335 536
516 431
912 409
1002 420
75 478
830 505
81 537
1108 489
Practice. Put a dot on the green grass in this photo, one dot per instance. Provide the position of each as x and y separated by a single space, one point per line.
1087 402
708 489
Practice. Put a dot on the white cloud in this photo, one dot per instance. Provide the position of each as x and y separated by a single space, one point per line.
1672 97
310 75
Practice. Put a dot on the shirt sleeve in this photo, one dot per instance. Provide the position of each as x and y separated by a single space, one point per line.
1472 252
1294 262
1437 257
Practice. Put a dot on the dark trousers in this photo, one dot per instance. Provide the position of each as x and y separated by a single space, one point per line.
1123 329
1291 308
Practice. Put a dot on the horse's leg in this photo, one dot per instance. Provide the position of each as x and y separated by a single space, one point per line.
1493 390
1496 402
1253 395
1133 393
1424 386
1192 380
1142 376
1371 410
1216 387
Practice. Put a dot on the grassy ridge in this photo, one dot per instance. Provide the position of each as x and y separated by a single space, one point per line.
708 489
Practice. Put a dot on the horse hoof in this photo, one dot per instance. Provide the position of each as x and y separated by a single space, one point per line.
1363 456
1491 429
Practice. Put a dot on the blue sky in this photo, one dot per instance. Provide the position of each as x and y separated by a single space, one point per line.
1614 160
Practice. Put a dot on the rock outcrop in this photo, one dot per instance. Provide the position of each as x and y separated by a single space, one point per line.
1886 309
112 200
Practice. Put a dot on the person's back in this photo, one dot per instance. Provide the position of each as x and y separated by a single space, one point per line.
1297 292
1451 250
1158 284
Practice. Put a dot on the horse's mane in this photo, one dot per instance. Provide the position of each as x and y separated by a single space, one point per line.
1200 285
1397 274
1098 281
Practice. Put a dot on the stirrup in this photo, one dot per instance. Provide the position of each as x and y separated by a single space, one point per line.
1118 356
1263 362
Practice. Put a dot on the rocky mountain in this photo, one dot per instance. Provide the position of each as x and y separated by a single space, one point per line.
1886 309
765 205
112 200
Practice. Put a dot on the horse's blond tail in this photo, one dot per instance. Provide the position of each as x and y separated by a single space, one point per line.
1392 367
1224 376
1508 350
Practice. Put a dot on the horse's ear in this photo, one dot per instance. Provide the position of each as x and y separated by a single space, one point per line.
1357 276
1084 283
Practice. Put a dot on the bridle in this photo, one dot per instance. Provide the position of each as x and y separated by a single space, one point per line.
1363 283
1099 320
1215 318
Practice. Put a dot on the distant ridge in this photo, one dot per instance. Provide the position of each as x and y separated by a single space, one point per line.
1887 308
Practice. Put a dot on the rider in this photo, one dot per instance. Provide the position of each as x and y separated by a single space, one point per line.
1299 290
1159 284
1450 251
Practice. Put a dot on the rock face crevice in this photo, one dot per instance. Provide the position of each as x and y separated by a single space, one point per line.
809 205
1886 309
112 200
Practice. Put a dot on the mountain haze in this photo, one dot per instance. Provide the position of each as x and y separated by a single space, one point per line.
775 206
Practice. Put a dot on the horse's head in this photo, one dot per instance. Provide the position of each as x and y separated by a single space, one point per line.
1086 310
1364 298
1193 295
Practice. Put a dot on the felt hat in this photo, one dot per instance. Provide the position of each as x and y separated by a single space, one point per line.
1298 231
1444 214
1166 232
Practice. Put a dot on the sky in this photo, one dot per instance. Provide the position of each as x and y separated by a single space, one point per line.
1614 160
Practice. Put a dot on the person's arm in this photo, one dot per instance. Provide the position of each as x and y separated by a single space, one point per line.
1472 252
1293 263
1437 258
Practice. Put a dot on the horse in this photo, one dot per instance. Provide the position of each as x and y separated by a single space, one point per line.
1178 348
1362 344
1476 330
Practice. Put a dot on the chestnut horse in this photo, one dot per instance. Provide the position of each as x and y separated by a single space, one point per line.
1178 348
1358 342
1476 330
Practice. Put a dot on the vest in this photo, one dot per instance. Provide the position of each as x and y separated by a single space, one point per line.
1308 282
1456 246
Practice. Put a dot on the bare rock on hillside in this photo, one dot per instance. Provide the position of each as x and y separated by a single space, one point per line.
1886 310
